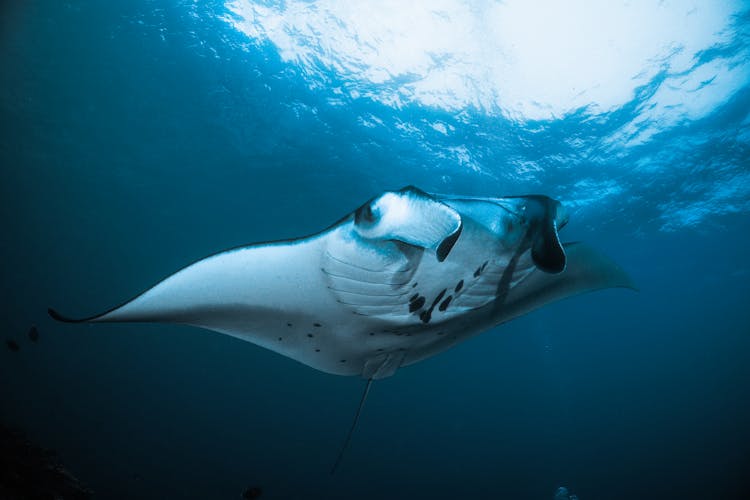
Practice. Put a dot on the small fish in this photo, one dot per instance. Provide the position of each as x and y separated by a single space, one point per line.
252 493
33 333
12 345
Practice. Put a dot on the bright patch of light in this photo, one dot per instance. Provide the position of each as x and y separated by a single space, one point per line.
525 59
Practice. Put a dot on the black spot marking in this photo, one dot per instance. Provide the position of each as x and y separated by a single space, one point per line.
380 350
317 325
414 297
444 305
317 350
310 335
459 286
437 299
401 348
478 272
417 304
372 333
343 361
279 339
288 324
414 285
426 316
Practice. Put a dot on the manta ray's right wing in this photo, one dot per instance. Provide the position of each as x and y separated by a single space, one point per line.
587 270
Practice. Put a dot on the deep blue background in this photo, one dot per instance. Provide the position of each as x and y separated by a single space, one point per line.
137 138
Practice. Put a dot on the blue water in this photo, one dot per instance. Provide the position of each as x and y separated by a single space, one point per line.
139 136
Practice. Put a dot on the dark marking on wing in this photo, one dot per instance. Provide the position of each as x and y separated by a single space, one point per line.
437 299
459 286
426 315
317 325
416 304
444 305
310 335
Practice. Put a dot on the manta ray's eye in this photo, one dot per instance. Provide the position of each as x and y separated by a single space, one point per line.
365 214
368 215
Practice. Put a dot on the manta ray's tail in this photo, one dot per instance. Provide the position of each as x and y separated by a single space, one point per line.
354 425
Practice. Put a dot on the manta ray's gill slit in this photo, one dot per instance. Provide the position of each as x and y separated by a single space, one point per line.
361 280
367 294
407 269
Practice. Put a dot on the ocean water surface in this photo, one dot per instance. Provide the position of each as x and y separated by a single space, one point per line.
139 136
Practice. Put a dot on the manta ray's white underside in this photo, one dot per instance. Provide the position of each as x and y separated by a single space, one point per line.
405 277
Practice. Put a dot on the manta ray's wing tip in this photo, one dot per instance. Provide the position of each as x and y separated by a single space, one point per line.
59 317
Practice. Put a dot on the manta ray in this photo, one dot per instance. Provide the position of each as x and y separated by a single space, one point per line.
404 277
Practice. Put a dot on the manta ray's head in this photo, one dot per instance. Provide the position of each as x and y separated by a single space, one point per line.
535 220
411 216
